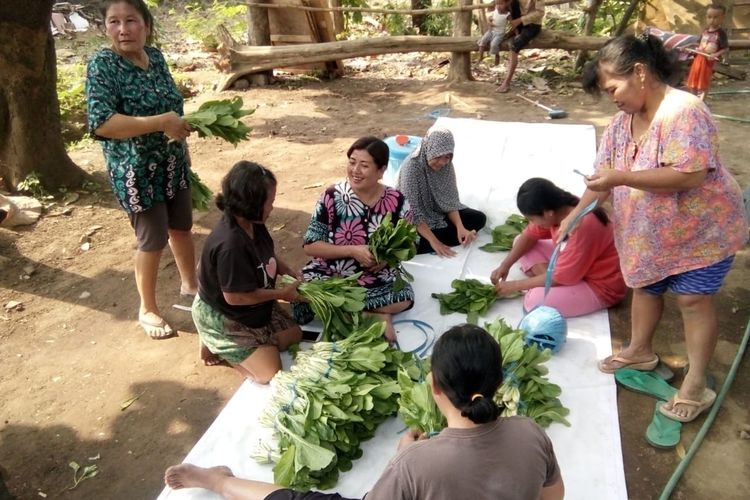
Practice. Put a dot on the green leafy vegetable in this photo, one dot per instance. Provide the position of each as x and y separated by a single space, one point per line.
470 296
504 234
394 244
333 398
200 193
416 406
337 302
221 119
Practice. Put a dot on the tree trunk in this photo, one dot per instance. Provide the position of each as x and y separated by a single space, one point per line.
625 21
419 20
590 14
460 70
258 34
30 134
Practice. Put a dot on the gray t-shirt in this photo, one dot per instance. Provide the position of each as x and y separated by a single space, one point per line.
511 458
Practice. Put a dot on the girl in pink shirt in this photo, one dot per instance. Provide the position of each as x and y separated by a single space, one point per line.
586 276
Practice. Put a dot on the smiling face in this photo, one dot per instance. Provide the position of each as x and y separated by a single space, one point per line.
626 91
126 29
714 18
439 162
362 171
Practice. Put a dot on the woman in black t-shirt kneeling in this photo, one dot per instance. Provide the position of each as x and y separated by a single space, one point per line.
236 311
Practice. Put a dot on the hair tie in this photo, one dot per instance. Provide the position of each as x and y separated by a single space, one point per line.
476 396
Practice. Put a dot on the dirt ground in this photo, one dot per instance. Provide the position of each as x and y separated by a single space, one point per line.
72 355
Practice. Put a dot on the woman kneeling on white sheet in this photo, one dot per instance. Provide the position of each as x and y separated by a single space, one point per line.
478 456
586 276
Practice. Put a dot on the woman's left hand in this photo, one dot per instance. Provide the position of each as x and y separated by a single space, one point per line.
375 269
411 436
465 237
503 288
604 180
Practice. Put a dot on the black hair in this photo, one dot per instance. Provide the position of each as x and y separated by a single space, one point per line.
537 195
624 52
374 147
466 364
244 190
139 5
717 6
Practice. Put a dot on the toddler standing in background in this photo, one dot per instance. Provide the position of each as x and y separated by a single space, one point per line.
713 44
494 36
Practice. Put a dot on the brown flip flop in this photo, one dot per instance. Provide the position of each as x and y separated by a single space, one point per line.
628 363
706 401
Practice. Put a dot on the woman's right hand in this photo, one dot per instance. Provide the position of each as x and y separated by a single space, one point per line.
500 273
289 293
442 249
174 126
362 254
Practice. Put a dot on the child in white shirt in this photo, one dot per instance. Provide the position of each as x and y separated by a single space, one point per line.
495 35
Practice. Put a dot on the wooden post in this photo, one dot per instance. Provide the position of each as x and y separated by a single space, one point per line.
259 34
460 70
592 9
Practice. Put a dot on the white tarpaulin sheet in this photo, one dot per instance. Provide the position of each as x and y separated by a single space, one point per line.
492 159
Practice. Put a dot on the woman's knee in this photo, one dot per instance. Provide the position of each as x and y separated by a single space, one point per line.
694 303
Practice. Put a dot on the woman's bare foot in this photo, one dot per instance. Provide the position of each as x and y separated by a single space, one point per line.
209 358
504 88
191 476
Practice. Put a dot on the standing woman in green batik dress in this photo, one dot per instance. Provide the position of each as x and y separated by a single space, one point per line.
135 109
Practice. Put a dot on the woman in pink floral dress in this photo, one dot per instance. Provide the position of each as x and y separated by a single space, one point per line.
345 216
678 215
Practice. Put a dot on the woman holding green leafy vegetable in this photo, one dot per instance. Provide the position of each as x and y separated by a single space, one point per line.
586 276
135 109
480 455
345 218
236 311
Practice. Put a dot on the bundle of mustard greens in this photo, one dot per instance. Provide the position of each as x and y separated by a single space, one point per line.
504 234
469 296
337 303
525 390
329 402
393 244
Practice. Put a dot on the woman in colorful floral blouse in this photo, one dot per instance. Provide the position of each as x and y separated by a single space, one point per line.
134 108
342 222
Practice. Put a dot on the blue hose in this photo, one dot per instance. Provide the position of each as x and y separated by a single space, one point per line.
683 465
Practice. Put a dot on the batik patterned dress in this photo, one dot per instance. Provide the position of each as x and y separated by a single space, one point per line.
148 168
341 218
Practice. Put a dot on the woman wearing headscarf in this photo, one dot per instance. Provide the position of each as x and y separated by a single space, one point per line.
428 181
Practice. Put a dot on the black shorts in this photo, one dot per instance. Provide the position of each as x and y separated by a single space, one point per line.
528 33
152 226
309 495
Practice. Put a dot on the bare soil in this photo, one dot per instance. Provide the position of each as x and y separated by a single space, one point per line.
73 354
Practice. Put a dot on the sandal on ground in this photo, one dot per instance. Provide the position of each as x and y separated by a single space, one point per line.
663 432
156 329
627 363
648 383
697 407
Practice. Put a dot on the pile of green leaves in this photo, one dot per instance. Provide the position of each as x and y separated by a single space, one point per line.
504 234
221 119
526 390
336 301
394 244
470 296
416 406
329 402
200 193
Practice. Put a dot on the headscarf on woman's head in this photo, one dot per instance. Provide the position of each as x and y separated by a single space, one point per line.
438 142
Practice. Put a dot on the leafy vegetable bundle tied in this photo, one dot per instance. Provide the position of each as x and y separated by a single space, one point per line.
333 398
221 119
337 302
199 192
504 234
416 406
470 296
526 390
394 244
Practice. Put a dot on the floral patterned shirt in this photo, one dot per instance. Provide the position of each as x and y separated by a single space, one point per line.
662 234
148 168
341 218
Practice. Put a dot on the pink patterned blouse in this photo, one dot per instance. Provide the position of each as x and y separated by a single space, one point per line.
662 234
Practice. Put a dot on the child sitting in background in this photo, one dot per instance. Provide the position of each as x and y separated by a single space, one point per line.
713 44
494 36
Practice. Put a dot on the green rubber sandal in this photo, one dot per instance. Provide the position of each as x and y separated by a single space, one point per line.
663 432
648 383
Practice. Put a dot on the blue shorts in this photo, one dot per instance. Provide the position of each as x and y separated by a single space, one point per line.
704 281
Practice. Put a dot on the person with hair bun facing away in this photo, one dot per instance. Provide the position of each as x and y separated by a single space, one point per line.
586 276
236 311
677 212
479 456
